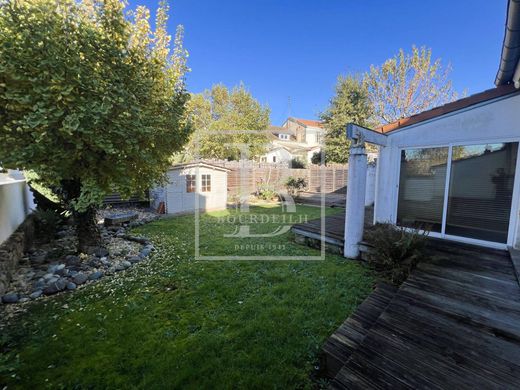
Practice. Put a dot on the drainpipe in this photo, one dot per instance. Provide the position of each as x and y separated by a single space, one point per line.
516 76
355 206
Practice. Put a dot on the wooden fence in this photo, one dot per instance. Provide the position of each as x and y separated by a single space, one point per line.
253 176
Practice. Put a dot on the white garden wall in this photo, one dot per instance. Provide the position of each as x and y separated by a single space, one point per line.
16 203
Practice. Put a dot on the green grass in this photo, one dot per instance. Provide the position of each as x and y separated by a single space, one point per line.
174 322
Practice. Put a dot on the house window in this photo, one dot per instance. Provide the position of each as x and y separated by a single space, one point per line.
421 188
274 158
460 190
191 183
206 183
283 136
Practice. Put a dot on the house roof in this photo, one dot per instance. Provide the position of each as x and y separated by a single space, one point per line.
477 98
306 122
280 130
195 164
511 45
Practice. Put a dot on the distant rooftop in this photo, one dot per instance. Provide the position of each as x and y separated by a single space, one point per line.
306 122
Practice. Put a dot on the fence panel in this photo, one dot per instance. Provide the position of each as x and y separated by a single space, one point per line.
256 175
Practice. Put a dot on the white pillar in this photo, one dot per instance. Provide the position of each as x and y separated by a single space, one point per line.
355 208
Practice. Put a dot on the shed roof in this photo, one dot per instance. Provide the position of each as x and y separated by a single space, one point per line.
197 164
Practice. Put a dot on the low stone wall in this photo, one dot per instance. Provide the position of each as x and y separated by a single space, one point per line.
12 250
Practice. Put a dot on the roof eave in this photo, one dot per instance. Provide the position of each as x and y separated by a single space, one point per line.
511 46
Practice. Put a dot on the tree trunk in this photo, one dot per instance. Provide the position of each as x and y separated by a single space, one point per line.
87 231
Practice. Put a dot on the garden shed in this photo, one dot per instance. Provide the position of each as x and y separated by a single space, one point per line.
194 185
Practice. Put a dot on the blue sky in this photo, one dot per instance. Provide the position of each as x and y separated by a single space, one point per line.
281 48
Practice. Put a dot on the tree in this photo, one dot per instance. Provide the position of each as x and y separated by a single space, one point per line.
407 84
90 100
350 103
219 109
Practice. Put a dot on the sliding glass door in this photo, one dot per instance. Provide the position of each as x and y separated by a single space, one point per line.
461 190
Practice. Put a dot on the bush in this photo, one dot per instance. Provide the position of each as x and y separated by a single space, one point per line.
396 251
267 193
46 222
296 163
295 185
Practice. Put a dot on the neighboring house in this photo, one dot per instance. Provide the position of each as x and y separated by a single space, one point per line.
191 186
296 138
453 170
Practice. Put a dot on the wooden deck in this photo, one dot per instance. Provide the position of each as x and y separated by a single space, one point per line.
334 228
454 324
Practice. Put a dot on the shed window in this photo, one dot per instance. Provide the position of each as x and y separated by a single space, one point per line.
206 183
191 183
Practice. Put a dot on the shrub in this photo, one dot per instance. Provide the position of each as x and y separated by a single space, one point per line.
267 193
46 222
295 185
396 251
296 163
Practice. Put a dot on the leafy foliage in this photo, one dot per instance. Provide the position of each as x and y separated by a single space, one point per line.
218 110
91 101
266 192
297 163
295 184
395 251
350 103
407 84
47 222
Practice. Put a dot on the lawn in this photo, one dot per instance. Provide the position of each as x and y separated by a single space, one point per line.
174 322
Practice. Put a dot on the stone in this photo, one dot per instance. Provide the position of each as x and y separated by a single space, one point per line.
126 264
38 258
56 267
80 278
10 298
62 272
134 259
62 233
48 276
24 299
39 284
95 275
55 287
71 286
36 294
54 279
121 218
72 260
100 252
145 252
119 267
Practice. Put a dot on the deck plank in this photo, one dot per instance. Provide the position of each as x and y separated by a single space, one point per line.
455 323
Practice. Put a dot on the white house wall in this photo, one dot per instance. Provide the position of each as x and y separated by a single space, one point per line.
282 155
490 122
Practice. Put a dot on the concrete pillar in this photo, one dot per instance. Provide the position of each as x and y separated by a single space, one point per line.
370 193
355 208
